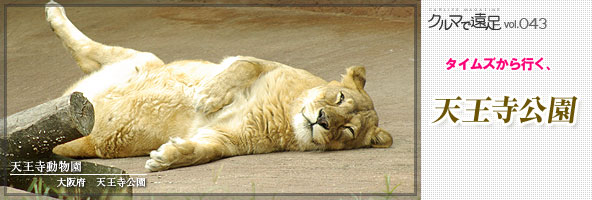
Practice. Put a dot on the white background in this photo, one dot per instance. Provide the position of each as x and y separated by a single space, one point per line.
497 160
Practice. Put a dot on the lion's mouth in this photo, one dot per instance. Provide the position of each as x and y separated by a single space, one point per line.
308 122
310 126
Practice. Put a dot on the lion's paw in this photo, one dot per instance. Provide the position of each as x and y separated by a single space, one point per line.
157 161
172 154
154 165
54 12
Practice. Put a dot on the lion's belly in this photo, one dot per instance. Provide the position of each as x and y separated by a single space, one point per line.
144 113
140 110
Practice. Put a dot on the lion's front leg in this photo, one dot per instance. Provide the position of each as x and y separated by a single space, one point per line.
212 95
206 146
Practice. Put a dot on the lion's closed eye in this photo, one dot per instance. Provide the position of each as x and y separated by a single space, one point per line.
340 98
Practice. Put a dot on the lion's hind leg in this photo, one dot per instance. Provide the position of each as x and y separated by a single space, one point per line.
90 55
81 147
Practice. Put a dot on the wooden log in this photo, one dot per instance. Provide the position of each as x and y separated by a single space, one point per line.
31 135
34 132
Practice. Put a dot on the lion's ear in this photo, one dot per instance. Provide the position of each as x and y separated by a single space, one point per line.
355 77
381 139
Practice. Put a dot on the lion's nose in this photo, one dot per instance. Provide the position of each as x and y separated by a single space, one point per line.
322 120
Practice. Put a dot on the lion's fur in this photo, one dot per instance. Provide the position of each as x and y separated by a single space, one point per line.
192 111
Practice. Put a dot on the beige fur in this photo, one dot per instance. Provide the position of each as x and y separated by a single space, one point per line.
191 112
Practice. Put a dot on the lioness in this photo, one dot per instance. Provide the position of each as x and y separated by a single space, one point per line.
193 111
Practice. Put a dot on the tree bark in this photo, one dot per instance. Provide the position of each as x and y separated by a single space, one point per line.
34 132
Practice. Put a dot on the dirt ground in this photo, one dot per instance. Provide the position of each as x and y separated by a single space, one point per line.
39 68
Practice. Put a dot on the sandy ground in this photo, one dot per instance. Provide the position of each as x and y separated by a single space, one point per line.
39 68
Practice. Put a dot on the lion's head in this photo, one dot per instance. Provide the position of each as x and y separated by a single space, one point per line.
340 115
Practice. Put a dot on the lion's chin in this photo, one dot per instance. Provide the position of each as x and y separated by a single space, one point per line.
301 128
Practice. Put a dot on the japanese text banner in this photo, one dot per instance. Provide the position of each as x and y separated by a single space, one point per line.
505 99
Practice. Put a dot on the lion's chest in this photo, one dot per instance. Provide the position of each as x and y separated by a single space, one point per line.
261 107
261 114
